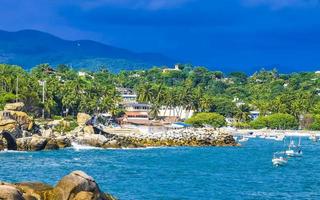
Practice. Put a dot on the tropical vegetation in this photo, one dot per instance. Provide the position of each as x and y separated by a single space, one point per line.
290 100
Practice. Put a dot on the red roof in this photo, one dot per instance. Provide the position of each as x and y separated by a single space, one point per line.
137 113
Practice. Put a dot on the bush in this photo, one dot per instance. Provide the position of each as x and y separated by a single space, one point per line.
282 121
275 121
201 119
259 123
56 117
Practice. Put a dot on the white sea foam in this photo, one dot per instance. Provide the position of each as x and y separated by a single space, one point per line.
79 147
12 151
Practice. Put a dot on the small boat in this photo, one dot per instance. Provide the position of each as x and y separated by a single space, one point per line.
279 137
262 136
270 138
244 139
292 153
251 135
279 159
314 137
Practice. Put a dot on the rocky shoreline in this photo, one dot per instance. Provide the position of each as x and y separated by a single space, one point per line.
19 132
75 186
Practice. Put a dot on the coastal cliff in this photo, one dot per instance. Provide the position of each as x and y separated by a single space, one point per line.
75 186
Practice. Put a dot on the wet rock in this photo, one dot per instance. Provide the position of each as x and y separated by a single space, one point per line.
52 144
34 143
63 142
1 145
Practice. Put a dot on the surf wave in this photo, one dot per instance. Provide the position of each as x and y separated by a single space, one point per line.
79 147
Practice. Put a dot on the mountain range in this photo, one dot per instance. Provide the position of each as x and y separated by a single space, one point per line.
29 48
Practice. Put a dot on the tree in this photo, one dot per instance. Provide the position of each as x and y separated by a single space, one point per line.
202 119
276 121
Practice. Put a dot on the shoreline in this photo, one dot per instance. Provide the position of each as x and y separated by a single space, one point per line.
273 132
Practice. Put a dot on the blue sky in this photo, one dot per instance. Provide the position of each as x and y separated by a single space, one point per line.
225 35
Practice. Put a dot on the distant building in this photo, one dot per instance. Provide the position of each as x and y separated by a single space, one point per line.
137 117
254 114
138 113
176 68
84 74
123 90
136 107
177 112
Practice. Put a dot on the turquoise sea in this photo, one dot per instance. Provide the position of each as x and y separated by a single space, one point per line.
178 173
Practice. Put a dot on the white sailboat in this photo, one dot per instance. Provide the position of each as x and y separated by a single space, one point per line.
294 153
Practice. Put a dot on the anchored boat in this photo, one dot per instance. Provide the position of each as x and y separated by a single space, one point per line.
279 159
293 150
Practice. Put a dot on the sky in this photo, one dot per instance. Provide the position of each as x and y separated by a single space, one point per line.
220 34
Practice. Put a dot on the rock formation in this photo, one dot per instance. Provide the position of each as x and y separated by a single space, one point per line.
75 186
83 118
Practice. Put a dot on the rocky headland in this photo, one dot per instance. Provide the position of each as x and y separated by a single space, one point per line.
75 186
18 131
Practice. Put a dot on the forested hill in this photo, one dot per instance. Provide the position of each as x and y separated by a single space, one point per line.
28 48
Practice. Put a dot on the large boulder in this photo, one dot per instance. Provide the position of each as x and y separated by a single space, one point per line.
23 120
83 118
10 192
63 142
71 185
34 143
92 140
88 130
57 143
34 191
8 125
84 196
14 119
75 186
52 144
14 106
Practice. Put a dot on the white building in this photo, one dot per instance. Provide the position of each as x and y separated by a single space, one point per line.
176 68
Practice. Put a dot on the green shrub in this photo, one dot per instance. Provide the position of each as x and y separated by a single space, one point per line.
282 121
56 117
259 123
201 119
275 121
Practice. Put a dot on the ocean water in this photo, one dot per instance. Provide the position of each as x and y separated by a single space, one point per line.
178 173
